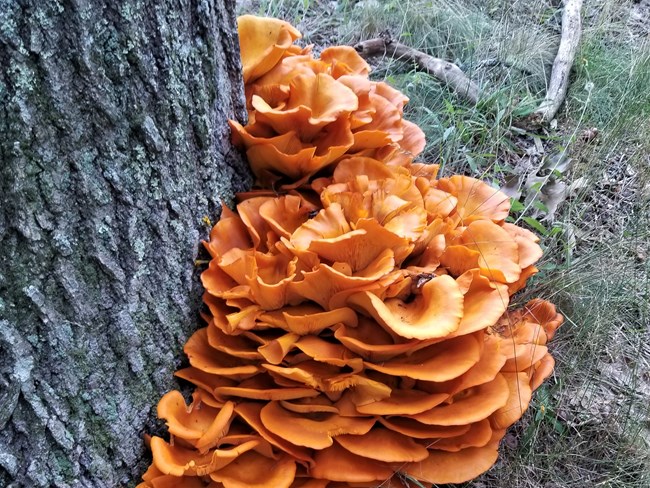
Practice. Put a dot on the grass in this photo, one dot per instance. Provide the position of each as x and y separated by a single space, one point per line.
589 425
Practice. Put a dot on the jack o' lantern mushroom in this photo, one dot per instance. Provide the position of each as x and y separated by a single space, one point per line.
434 314
263 42
358 322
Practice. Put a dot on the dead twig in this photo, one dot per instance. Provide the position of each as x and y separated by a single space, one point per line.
559 83
446 72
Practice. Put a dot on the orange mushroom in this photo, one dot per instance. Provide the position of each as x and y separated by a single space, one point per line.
487 247
381 444
252 470
316 431
418 430
478 435
357 306
476 200
179 461
435 313
472 405
440 362
344 60
200 424
314 102
338 464
263 42
403 402
262 387
454 467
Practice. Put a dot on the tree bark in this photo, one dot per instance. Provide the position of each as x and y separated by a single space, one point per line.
114 146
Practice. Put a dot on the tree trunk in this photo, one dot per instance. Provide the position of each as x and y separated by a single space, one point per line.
114 146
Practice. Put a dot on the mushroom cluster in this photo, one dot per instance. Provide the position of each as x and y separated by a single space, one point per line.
358 324
305 114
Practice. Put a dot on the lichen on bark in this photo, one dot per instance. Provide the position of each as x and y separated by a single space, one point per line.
114 147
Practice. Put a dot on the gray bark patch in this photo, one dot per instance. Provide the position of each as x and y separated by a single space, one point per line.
114 147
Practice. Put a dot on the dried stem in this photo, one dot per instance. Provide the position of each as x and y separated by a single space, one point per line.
446 72
559 83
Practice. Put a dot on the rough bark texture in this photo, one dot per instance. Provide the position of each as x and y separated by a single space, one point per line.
114 146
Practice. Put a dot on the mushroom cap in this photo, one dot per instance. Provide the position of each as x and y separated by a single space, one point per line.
442 467
526 273
252 470
327 352
344 60
329 223
439 362
487 368
280 76
476 200
478 435
418 430
439 203
264 277
522 356
545 314
227 233
258 228
517 403
468 406
234 345
309 318
204 380
498 254
403 402
250 413
209 360
315 431
413 138
314 102
436 313
287 155
318 375
330 286
387 121
529 250
385 445
262 387
373 343
263 42
286 214
394 96
179 461
338 464
315 404
199 423
360 247
275 351
484 301
541 371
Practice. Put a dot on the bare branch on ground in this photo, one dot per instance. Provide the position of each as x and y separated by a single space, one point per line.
446 72
559 82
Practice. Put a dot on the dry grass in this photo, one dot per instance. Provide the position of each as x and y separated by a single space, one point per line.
589 425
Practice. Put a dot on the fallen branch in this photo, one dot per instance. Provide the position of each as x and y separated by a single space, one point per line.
447 72
559 83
